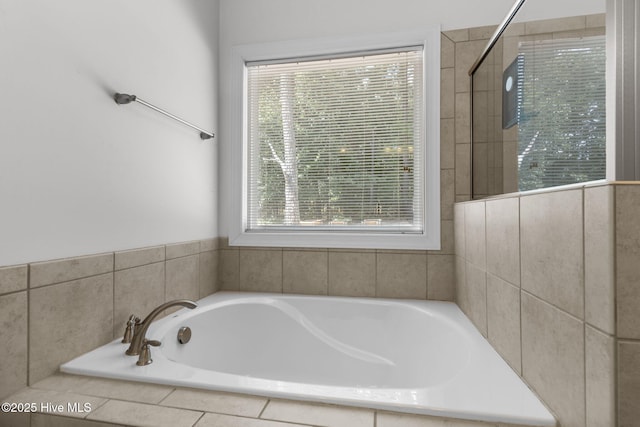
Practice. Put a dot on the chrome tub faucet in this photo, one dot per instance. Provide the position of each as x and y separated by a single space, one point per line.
139 344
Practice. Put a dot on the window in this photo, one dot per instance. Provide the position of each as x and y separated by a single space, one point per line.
561 112
332 143
340 147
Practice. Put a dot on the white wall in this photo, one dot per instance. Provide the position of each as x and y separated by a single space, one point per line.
254 21
246 21
80 174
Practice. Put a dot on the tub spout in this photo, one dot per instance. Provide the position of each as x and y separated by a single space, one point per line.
141 330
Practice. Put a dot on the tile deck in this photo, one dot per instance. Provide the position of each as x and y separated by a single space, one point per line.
124 403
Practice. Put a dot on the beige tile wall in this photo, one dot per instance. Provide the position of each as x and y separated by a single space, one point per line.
14 352
599 266
553 359
484 274
551 246
628 382
627 299
627 238
68 319
53 311
369 273
551 279
568 267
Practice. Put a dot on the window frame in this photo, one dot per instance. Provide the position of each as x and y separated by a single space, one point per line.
429 39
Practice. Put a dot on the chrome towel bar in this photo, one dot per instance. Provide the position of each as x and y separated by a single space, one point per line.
123 98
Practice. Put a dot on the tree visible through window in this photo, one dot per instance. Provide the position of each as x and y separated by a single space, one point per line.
561 123
337 143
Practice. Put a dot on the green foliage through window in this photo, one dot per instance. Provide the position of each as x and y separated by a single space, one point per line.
336 142
561 123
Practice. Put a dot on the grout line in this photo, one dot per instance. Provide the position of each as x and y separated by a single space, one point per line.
141 265
238 284
66 281
573 316
29 324
486 274
328 273
282 270
106 400
113 296
633 341
426 268
199 419
198 273
113 306
164 272
616 340
584 303
375 274
264 408
598 329
520 282
15 292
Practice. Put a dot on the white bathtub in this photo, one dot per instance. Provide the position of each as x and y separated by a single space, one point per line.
422 357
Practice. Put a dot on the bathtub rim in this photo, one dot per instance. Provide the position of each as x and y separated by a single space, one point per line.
126 369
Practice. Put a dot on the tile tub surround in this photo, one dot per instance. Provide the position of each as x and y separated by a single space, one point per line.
56 310
357 273
122 403
459 49
398 274
377 273
551 279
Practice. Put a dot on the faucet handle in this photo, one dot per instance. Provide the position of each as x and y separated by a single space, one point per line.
145 353
130 329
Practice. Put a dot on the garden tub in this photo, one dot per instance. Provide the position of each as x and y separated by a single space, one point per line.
422 357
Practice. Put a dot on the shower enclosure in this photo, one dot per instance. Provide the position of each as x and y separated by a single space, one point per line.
538 105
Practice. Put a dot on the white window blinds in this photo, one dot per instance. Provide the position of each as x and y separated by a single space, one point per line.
561 113
337 143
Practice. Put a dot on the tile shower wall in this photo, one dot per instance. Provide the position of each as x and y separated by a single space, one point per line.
394 274
551 279
53 311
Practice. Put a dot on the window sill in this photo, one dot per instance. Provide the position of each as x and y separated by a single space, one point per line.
338 240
